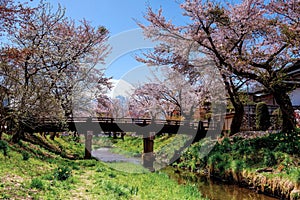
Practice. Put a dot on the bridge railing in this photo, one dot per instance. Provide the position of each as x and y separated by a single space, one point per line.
140 121
130 120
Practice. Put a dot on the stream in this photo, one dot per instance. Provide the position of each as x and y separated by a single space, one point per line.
212 189
104 154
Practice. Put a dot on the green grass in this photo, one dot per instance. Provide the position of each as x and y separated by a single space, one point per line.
127 167
43 176
131 146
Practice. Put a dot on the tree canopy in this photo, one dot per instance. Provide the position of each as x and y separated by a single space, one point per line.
48 58
256 40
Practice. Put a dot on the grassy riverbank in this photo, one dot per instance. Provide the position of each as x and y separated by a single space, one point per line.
269 164
32 172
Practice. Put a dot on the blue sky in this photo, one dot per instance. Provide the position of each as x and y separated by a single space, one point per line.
117 16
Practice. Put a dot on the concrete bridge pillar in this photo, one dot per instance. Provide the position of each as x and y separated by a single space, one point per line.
148 155
88 139
88 145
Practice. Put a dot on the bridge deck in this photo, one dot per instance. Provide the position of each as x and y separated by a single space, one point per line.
140 126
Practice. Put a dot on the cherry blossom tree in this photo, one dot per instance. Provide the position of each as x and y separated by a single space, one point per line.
254 39
10 13
169 92
195 68
48 58
146 102
112 107
9 17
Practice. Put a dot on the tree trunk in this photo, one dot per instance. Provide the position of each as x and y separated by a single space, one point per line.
18 136
286 107
237 120
237 104
52 135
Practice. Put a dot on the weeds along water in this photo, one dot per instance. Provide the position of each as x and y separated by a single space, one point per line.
269 164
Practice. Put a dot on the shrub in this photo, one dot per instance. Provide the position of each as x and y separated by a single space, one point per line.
4 147
25 155
134 190
215 160
20 143
48 177
100 169
62 173
262 116
226 145
269 158
89 163
117 190
112 175
297 176
37 183
74 166
237 165
288 143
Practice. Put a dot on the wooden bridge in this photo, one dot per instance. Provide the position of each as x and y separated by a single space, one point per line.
147 128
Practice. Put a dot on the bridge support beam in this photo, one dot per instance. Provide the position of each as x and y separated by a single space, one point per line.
148 155
88 145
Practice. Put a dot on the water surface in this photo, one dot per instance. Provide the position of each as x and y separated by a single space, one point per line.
216 190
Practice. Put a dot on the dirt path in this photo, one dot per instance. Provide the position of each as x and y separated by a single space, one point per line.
82 192
104 154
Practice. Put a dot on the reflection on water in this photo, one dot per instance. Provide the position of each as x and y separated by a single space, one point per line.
218 191
215 190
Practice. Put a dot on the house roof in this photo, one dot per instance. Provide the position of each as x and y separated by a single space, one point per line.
293 69
294 73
